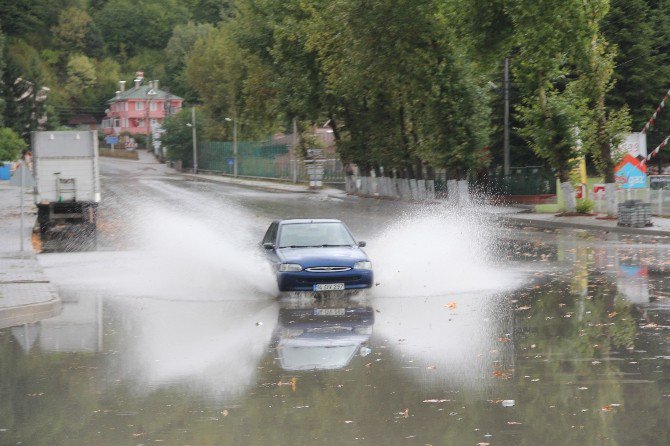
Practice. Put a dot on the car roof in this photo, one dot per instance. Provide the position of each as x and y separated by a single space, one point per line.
307 220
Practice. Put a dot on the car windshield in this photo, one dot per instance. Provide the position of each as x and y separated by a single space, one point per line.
300 235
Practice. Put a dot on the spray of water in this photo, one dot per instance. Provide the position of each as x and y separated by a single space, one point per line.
442 249
441 296
176 247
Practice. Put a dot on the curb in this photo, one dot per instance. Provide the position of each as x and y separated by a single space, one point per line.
30 313
32 296
265 188
544 224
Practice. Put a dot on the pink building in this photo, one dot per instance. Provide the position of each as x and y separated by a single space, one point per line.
138 109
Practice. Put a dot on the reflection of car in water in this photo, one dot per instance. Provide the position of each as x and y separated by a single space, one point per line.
322 338
316 255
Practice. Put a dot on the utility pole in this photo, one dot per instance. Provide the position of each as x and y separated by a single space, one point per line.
235 143
506 166
293 150
23 168
195 143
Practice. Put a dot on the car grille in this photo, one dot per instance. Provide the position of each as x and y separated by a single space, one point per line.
341 279
327 269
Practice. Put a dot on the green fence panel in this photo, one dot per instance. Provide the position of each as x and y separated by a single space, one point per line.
260 159
521 181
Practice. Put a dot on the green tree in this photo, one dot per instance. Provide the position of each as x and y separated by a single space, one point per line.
180 45
129 26
545 34
11 144
26 80
2 71
73 29
640 72
21 16
211 11
603 126
178 136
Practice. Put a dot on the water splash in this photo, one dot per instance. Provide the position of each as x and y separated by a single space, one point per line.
442 249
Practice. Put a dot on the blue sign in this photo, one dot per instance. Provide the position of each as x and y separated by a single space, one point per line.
5 172
631 173
231 161
111 140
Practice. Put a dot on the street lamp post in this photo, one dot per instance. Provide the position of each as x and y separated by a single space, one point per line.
150 94
234 119
195 145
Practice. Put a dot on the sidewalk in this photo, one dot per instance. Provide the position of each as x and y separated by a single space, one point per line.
660 226
516 216
26 295
266 185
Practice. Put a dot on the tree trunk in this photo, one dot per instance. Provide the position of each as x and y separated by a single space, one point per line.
604 143
430 172
418 166
333 127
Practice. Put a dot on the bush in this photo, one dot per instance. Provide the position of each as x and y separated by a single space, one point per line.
11 145
584 206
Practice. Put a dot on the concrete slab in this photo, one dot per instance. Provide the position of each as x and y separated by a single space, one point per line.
26 295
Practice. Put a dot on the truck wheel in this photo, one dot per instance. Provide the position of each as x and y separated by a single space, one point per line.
43 218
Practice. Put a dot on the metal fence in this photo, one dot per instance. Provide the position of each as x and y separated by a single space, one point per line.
521 181
262 160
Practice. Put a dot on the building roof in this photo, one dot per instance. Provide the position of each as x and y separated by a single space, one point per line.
141 93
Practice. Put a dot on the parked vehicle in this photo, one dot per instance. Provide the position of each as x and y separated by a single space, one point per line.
67 183
316 255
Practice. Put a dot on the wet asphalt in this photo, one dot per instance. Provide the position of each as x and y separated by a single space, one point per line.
475 334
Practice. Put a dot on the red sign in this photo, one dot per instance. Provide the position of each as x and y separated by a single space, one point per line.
630 159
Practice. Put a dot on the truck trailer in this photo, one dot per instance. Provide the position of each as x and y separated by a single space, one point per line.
67 183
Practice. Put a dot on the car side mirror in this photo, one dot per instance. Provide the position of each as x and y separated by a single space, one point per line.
362 244
268 245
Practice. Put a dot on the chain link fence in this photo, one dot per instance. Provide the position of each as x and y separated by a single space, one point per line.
262 160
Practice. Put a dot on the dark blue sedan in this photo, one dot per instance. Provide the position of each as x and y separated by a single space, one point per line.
316 255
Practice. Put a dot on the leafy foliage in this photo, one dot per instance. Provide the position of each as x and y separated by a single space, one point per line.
584 206
178 136
11 144
404 85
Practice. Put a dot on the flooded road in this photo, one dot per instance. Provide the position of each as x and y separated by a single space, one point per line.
171 332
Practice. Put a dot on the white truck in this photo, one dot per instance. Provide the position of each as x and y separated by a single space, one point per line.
67 182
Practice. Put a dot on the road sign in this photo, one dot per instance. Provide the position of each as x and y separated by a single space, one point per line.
111 140
631 173
231 161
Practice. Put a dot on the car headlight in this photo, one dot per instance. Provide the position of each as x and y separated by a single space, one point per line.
289 267
363 265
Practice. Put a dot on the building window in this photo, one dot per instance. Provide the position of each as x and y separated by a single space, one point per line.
140 123
153 106
139 106
125 106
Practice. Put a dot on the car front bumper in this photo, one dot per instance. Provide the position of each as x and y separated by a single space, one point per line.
305 280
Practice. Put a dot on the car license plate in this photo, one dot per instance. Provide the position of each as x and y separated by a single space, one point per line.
328 286
329 311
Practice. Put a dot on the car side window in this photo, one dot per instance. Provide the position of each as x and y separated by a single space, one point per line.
271 233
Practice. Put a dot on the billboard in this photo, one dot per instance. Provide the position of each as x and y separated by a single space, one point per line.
634 144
